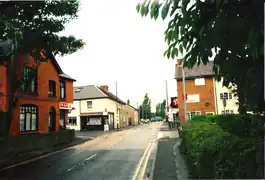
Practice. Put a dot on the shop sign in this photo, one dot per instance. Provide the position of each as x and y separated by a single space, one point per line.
65 105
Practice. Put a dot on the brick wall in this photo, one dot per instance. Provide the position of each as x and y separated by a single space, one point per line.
206 96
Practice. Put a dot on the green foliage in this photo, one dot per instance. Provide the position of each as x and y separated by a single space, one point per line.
145 111
232 29
36 25
213 152
161 109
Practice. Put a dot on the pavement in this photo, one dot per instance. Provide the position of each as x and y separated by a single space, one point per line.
166 161
120 155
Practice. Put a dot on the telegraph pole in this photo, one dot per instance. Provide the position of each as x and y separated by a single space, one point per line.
184 93
167 102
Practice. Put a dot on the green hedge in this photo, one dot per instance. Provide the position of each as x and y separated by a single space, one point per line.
216 149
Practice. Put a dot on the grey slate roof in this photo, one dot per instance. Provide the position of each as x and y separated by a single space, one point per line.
94 92
88 92
197 71
5 47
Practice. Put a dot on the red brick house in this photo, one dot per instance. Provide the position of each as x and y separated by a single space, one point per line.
200 90
44 101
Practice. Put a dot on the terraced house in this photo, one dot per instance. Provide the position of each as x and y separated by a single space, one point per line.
204 95
44 94
94 106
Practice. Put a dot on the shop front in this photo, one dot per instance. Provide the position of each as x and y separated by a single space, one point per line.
96 120
65 108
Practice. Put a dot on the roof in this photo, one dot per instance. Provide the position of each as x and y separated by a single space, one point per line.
112 96
88 92
196 72
6 50
133 107
93 92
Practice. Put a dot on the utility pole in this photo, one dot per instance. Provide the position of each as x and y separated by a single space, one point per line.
184 92
166 102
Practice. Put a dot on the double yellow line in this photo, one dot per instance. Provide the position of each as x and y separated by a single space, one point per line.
143 163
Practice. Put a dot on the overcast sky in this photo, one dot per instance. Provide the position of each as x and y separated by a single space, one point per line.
120 46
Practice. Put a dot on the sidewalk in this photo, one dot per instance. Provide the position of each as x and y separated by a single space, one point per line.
169 163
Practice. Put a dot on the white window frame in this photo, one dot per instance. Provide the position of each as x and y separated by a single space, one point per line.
199 82
189 114
71 124
89 104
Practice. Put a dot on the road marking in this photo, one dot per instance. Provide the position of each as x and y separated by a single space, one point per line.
141 161
87 159
145 163
34 159
159 135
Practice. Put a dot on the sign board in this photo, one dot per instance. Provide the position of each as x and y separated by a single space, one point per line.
94 121
193 98
65 105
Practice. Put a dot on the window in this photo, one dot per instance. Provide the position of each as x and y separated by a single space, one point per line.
199 82
228 112
230 95
62 118
72 121
191 114
62 89
209 113
89 104
221 96
226 95
52 88
29 80
28 118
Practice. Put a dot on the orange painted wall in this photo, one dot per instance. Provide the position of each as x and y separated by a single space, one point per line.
206 95
45 73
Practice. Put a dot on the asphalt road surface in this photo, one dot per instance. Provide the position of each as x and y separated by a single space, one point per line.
114 156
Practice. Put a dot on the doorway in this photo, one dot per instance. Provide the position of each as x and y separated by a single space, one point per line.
52 119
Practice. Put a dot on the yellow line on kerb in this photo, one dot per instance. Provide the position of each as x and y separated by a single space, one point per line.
141 161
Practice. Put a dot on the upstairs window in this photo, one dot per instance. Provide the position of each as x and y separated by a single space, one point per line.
29 80
52 88
89 104
62 89
199 82
226 95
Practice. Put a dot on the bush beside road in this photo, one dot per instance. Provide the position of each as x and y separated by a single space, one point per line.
224 146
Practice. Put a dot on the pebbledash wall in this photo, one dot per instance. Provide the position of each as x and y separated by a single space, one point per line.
41 100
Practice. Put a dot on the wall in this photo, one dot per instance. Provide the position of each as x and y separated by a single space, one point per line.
230 103
206 96
75 113
41 99
3 86
30 142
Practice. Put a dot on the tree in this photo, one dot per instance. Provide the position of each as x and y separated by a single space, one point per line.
146 108
161 109
233 29
35 26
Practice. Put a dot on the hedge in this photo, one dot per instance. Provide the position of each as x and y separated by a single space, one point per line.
214 151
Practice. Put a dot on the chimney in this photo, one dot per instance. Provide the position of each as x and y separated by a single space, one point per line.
128 102
105 87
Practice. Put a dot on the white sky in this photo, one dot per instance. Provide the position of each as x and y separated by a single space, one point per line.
120 46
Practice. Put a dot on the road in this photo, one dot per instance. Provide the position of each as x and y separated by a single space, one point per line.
113 156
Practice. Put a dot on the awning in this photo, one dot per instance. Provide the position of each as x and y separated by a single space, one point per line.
92 114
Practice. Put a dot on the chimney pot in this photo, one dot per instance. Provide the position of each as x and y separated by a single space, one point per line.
128 102
105 87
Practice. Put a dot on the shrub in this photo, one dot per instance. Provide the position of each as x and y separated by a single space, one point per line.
214 151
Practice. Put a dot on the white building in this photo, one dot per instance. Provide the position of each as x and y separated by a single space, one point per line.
93 107
222 93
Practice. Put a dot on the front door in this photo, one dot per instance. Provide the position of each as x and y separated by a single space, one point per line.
52 119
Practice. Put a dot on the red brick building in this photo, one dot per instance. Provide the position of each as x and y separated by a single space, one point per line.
44 102
200 90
